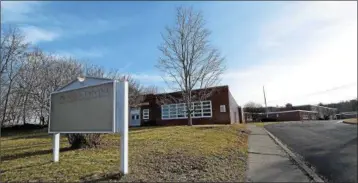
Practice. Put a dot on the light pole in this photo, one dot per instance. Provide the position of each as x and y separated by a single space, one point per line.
265 101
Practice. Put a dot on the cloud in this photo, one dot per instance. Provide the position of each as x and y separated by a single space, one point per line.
147 77
84 53
30 16
77 26
25 14
35 34
20 11
307 47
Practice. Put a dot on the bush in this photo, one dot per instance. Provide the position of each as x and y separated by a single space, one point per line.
269 120
78 140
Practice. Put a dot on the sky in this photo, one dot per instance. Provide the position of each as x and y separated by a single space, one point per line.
301 52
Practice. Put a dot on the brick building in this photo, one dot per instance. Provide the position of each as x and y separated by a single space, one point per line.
219 108
294 113
322 112
346 115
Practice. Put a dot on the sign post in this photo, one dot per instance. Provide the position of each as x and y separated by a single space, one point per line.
56 147
123 127
91 107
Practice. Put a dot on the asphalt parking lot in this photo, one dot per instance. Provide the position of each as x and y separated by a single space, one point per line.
329 146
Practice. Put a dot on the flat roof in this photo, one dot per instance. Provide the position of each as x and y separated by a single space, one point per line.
315 106
352 112
174 92
289 112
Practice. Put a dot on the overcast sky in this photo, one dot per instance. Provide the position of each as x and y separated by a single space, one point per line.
302 52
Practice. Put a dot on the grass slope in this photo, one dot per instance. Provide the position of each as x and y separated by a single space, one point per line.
180 153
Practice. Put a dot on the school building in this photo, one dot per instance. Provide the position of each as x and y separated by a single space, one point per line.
167 109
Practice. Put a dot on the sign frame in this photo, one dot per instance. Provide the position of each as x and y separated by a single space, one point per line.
114 119
120 121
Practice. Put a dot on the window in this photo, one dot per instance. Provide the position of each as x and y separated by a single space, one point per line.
135 116
145 113
304 116
206 108
173 111
178 111
222 108
165 111
181 110
197 110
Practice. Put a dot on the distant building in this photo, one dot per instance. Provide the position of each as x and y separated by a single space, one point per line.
346 115
323 112
294 113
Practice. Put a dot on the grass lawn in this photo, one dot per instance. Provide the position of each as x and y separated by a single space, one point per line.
180 153
351 121
262 124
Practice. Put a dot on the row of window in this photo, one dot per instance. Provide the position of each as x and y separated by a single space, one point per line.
178 111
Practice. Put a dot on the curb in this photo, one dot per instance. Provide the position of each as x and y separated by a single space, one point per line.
301 163
349 123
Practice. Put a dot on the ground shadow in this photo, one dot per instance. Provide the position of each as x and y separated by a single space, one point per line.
17 148
30 137
23 129
103 177
29 154
23 167
205 127
139 128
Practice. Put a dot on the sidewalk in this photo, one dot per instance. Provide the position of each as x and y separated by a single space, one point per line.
268 162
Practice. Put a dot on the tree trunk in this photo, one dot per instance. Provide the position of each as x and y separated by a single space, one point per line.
6 102
24 110
190 119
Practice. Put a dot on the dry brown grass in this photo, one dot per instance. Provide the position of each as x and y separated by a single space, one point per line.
180 153
351 121
262 124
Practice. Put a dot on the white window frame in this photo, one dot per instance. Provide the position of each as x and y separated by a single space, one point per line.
204 105
145 114
305 116
222 108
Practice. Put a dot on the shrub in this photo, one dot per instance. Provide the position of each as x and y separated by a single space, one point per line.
84 140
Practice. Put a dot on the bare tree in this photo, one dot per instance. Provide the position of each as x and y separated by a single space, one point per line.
252 105
189 62
135 89
289 106
13 49
151 90
28 76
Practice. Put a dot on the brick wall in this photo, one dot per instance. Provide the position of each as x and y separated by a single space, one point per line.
219 97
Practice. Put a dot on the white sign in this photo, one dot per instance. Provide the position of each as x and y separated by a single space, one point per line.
100 108
84 110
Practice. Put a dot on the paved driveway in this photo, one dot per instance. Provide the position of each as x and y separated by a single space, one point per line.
330 147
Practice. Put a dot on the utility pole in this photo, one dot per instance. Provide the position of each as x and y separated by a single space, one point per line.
265 101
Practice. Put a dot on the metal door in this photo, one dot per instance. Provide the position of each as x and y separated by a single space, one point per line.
135 117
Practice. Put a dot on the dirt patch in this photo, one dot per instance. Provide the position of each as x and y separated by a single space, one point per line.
179 167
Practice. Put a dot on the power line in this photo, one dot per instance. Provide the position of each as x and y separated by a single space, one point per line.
319 92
